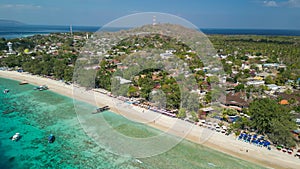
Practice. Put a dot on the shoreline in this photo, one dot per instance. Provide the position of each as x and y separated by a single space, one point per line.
217 141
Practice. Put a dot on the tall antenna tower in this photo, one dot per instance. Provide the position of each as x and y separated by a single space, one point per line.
71 30
154 20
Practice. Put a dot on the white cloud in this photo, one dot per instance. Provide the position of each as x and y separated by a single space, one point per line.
270 3
19 6
293 3
286 3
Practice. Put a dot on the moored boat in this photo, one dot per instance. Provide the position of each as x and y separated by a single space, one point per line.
51 138
16 137
41 88
23 82
5 90
101 109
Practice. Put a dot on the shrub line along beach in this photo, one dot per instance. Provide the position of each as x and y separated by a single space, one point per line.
216 140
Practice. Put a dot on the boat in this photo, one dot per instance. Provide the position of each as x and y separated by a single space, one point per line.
101 109
23 82
5 91
51 138
138 161
16 137
41 88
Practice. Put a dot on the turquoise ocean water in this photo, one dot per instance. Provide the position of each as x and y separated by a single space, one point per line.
36 114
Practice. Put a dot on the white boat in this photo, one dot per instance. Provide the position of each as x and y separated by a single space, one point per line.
5 90
41 88
16 137
138 161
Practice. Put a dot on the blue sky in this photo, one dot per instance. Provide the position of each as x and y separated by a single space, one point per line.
268 14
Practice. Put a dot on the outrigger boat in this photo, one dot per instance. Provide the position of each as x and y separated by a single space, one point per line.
41 88
23 82
15 137
101 109
51 138
5 90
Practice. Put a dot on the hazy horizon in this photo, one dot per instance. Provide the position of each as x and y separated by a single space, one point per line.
231 14
99 26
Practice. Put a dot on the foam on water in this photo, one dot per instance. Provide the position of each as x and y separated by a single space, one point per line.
36 114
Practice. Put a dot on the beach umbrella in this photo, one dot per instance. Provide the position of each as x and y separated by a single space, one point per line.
279 147
248 139
284 150
290 151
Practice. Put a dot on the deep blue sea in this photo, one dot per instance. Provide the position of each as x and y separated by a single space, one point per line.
10 32
36 114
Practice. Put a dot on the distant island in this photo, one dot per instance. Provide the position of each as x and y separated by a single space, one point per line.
5 22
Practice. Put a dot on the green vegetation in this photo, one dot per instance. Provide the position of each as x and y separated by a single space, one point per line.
271 119
55 56
285 49
33 55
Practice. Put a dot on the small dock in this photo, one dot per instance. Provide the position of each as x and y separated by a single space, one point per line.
101 109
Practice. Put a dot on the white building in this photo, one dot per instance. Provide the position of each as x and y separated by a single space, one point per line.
10 49
256 83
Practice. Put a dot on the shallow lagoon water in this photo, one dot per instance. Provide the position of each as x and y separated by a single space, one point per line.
36 114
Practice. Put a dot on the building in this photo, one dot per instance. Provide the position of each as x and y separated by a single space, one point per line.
236 100
122 80
255 83
10 49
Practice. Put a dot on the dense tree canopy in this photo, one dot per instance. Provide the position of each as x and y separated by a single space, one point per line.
270 118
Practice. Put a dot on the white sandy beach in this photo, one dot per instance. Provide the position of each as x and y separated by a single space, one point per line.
212 139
